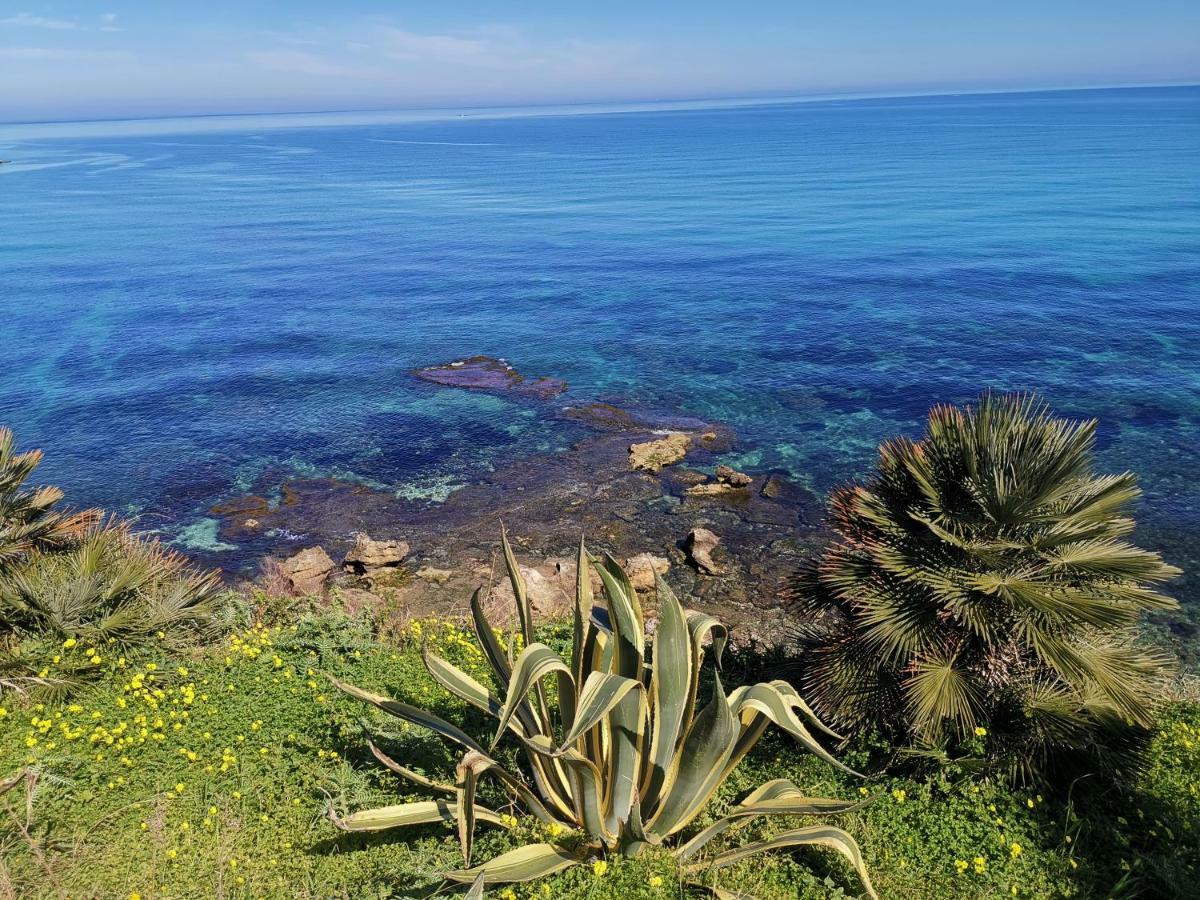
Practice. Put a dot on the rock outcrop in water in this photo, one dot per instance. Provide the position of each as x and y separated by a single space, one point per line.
487 373
654 455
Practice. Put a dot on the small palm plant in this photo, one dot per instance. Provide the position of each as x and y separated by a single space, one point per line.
981 586
625 757
109 586
28 520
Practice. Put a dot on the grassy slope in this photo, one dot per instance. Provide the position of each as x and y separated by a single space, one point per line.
212 774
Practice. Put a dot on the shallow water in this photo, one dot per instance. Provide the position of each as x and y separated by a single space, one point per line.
185 310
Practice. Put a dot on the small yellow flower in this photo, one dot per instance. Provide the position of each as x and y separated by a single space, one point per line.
1029 803
655 881
980 865
1015 850
134 895
961 865
69 643
172 853
900 795
599 867
980 731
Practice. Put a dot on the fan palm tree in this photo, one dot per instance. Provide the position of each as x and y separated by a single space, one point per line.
28 519
981 586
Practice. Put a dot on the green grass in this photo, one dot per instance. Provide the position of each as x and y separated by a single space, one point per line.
211 774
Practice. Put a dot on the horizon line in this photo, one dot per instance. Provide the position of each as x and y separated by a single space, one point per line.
740 99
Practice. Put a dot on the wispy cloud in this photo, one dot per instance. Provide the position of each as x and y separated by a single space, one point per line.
28 20
108 22
294 40
60 53
302 62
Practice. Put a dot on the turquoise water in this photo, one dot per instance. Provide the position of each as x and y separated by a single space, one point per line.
189 304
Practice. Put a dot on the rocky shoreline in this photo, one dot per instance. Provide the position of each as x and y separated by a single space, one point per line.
724 542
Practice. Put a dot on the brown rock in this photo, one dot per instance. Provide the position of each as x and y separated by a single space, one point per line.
369 556
642 569
550 587
731 476
700 546
712 489
249 504
305 573
653 455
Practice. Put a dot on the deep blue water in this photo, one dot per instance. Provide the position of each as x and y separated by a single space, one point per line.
187 303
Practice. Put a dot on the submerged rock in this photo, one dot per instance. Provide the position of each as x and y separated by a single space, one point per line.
653 455
731 476
369 556
305 573
700 546
486 373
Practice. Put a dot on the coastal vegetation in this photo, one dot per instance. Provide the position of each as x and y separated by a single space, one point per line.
618 750
981 589
161 736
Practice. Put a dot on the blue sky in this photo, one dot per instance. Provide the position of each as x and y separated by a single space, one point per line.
71 60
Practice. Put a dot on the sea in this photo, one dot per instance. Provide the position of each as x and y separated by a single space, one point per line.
186 304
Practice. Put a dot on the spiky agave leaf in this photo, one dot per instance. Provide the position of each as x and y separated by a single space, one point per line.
981 576
627 759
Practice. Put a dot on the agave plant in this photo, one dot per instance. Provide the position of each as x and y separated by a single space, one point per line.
624 755
28 520
981 586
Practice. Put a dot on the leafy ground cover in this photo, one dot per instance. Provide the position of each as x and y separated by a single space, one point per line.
212 772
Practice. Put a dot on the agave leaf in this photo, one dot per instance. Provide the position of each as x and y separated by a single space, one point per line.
626 722
670 689
470 768
698 767
411 714
462 685
601 693
524 609
766 699
523 864
779 797
818 835
475 891
535 662
402 770
582 624
587 787
420 813
496 657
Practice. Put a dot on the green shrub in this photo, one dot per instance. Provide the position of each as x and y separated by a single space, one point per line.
620 758
83 580
980 587
28 519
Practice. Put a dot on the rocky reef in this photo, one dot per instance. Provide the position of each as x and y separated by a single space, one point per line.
724 542
487 373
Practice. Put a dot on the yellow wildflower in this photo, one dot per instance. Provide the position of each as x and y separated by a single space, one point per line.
655 881
980 731
1015 850
980 865
961 865
599 867
900 795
